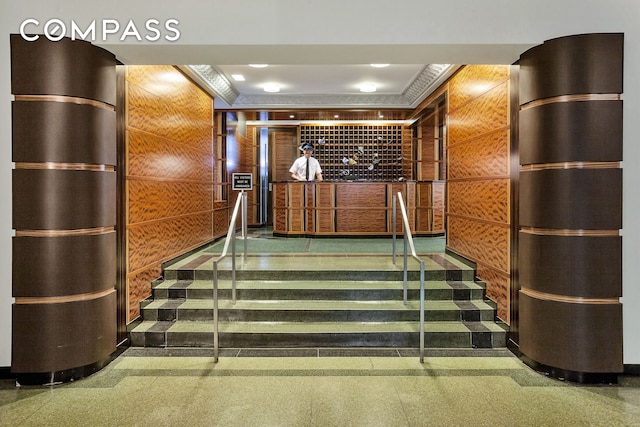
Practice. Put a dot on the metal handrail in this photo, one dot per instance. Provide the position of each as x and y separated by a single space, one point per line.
408 239
231 237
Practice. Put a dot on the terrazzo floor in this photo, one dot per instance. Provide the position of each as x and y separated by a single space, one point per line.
179 387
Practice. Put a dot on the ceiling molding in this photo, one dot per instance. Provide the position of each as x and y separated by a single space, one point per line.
426 82
219 86
315 101
214 80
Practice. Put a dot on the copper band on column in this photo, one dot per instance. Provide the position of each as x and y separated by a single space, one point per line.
64 203
570 205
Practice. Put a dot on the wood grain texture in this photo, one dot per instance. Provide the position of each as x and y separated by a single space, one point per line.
487 199
365 195
474 81
484 114
155 156
478 158
161 240
361 220
280 213
220 221
482 242
164 81
486 156
139 288
498 285
159 116
152 200
170 174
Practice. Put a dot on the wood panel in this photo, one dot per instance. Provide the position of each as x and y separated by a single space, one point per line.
295 205
485 156
497 288
355 208
170 173
280 213
478 167
365 195
154 156
159 241
482 115
361 221
158 116
430 208
325 208
482 242
151 200
473 82
139 288
284 152
486 199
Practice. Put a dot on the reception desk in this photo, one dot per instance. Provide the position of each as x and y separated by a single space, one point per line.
333 208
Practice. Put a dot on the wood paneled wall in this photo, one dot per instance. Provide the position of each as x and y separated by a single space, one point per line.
248 162
169 173
478 209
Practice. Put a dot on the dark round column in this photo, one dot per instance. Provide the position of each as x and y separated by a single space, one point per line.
570 248
64 209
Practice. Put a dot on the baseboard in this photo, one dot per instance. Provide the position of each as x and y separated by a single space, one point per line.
633 370
5 373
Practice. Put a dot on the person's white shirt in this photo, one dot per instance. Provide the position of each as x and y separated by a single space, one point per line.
299 168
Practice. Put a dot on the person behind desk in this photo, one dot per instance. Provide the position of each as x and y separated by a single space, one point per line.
306 168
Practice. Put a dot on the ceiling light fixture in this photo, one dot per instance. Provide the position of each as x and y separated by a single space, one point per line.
379 65
271 87
238 77
367 87
258 65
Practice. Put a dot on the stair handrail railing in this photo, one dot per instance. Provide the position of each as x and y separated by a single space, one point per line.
231 238
408 241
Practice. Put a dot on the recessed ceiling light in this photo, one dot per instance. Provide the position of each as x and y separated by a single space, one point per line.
258 65
291 116
238 77
271 87
367 87
336 116
379 65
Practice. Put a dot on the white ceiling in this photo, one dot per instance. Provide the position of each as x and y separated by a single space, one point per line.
399 86
322 79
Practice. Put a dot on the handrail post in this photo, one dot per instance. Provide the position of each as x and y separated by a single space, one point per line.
405 275
215 312
233 264
393 225
421 311
231 238
244 223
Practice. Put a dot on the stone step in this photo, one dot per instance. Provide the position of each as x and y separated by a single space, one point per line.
326 267
239 334
317 310
318 290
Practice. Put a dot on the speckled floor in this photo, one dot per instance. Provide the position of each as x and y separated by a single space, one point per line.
160 387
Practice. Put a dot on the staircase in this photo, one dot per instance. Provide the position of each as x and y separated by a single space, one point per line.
318 301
